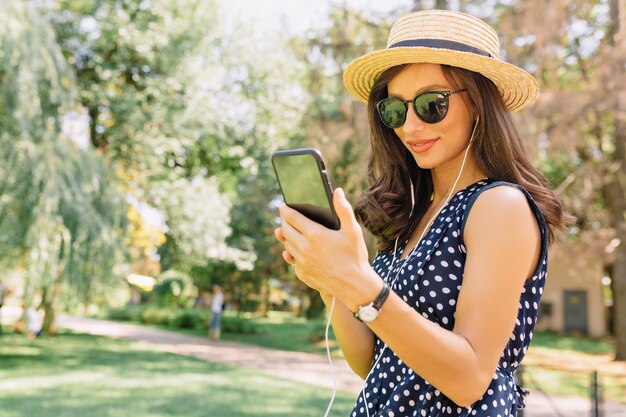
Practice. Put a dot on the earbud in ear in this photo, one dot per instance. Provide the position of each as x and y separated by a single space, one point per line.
474 130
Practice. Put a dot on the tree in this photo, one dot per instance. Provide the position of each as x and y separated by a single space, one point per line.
151 79
262 112
198 221
60 214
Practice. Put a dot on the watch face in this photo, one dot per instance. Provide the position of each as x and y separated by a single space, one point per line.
367 313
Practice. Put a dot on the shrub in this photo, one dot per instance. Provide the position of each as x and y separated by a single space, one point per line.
174 289
159 316
318 332
236 324
127 313
185 318
190 319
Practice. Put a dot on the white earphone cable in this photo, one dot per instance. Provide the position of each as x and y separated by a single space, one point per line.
330 360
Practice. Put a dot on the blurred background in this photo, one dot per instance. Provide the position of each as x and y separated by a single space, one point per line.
135 174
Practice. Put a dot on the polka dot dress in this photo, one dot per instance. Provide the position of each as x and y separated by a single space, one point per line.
430 282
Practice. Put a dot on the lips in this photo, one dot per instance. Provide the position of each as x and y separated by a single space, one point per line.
421 145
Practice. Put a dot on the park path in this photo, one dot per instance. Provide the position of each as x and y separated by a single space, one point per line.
296 366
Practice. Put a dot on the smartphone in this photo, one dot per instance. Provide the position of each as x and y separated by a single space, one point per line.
303 180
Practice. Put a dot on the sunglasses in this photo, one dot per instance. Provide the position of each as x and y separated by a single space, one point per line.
431 107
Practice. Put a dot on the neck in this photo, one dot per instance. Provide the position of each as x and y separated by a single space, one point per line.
444 178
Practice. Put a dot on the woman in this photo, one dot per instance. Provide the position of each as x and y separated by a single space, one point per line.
440 321
217 307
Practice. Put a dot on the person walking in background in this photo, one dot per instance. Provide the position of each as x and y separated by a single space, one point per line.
217 306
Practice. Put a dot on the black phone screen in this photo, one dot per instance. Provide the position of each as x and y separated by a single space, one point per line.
304 185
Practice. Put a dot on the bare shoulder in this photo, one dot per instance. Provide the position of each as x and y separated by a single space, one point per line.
502 221
504 203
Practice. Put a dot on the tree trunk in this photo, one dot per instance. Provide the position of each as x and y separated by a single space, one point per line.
313 304
619 296
615 190
265 291
49 301
617 205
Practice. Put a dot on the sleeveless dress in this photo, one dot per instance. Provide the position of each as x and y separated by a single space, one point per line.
430 281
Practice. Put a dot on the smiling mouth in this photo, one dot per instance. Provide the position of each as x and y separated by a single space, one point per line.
422 145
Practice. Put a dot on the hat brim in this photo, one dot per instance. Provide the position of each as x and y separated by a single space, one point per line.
517 87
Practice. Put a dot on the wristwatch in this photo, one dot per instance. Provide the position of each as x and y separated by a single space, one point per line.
370 312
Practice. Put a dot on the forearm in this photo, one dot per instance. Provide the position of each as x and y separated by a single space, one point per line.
355 339
444 358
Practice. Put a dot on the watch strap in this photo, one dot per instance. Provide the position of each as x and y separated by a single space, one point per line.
382 297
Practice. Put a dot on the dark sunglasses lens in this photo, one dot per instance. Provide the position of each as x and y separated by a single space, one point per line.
431 107
392 112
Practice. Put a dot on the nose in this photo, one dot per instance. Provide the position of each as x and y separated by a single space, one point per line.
412 122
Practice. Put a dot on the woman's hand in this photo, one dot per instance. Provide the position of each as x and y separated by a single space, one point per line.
333 262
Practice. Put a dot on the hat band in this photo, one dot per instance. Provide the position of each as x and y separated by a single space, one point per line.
441 44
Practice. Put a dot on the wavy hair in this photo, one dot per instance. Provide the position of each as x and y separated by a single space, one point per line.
498 147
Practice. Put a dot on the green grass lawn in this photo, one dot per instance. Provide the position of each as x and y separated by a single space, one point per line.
553 340
74 375
558 382
569 350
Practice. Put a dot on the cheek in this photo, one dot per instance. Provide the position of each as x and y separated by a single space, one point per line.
458 125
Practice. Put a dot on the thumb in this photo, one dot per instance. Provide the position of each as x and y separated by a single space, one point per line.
342 207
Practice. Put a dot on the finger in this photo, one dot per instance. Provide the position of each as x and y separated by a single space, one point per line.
297 220
291 234
343 208
293 240
292 250
278 233
288 258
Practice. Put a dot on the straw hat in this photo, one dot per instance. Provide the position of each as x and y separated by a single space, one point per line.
443 37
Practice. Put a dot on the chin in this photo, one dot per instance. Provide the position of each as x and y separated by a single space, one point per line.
425 163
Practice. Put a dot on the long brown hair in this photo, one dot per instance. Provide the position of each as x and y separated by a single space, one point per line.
385 206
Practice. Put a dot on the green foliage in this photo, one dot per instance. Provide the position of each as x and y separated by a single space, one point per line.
142 75
158 316
184 318
198 218
239 325
127 313
60 213
190 319
318 332
126 56
557 167
174 289
189 115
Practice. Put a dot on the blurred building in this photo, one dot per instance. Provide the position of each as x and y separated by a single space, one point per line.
576 298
